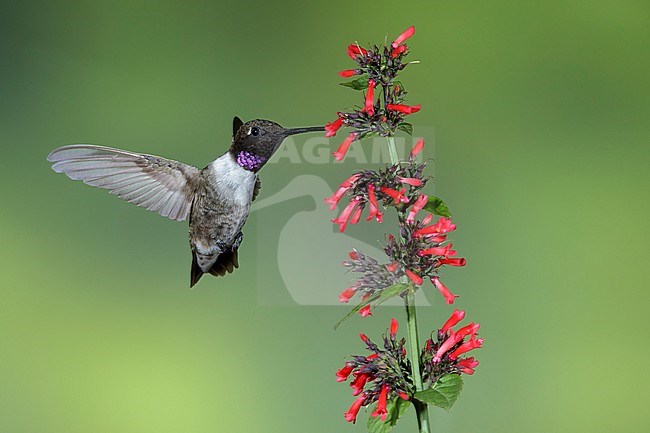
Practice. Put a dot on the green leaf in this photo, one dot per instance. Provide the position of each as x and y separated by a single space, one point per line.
395 409
366 134
360 83
392 291
380 297
406 127
436 206
443 393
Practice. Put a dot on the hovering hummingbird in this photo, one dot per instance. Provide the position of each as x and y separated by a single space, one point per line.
217 199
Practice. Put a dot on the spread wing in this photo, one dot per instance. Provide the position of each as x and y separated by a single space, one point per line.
157 184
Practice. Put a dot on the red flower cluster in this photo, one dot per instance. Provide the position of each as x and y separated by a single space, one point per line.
388 186
374 376
379 66
443 355
375 277
421 251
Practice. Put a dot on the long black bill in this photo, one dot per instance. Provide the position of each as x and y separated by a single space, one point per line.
303 130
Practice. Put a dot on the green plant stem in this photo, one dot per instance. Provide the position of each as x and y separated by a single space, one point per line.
392 150
421 409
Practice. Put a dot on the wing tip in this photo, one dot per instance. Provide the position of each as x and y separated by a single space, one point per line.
51 157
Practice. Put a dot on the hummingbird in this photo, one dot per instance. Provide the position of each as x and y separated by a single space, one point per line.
217 199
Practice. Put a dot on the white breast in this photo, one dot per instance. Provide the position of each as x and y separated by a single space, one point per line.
228 176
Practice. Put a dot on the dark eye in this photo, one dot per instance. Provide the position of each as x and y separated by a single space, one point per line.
255 131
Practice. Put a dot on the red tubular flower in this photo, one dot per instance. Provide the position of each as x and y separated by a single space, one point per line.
345 186
468 362
421 201
332 127
356 216
427 219
394 326
466 347
348 73
456 261
354 255
444 291
342 220
381 404
372 356
364 338
336 197
410 181
358 383
343 148
351 414
436 239
350 180
417 148
374 207
347 294
404 36
404 109
403 395
392 267
472 328
397 196
355 50
343 373
365 311
467 370
395 52
438 251
370 98
448 344
443 226
414 277
453 320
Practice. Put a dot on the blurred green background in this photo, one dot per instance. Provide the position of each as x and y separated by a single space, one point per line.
541 115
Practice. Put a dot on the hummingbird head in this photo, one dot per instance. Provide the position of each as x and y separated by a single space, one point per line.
254 142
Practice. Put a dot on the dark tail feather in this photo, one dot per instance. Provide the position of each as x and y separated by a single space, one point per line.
226 262
196 273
